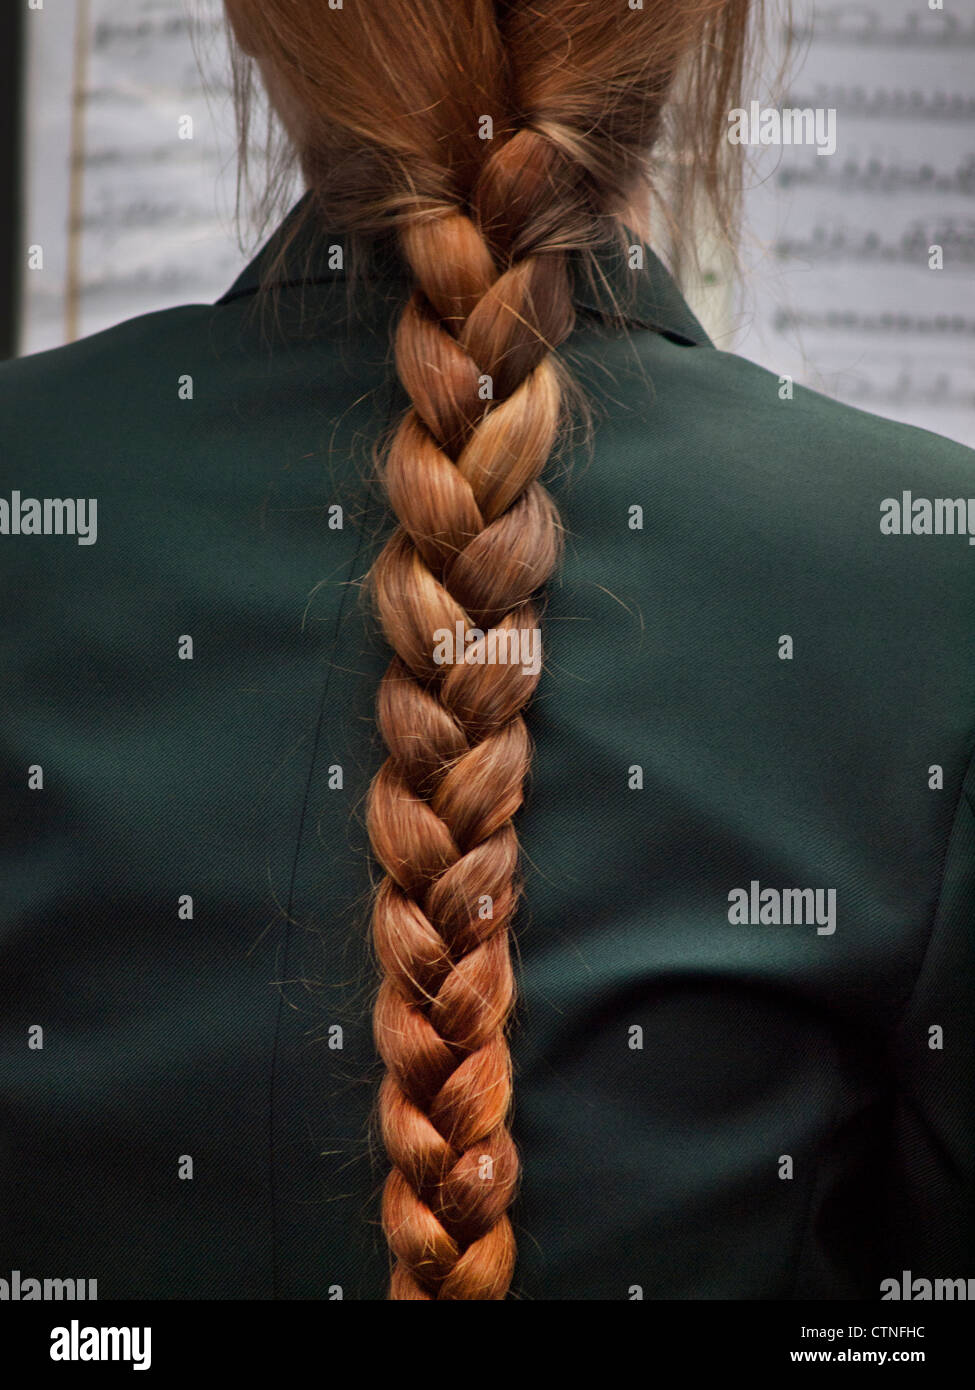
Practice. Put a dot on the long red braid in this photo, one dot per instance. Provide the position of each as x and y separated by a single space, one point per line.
499 138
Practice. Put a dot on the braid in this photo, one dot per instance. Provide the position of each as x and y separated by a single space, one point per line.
477 536
384 99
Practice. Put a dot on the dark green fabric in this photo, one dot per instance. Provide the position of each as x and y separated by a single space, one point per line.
656 1168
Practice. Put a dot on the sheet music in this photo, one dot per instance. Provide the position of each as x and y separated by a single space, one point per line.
155 224
839 293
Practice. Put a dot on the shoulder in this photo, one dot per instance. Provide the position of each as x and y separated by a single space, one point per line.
870 446
750 412
819 502
123 393
735 426
147 334
214 354
98 386
880 489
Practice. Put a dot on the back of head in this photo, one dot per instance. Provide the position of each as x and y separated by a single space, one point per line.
496 139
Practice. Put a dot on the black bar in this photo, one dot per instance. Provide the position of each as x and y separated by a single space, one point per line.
273 1343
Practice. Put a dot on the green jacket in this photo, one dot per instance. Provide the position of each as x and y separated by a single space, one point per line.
708 1104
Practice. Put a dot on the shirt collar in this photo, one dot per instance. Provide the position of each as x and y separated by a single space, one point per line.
648 295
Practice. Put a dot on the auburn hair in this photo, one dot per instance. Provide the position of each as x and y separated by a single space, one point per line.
496 141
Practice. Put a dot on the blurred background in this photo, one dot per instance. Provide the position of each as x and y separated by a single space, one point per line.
120 192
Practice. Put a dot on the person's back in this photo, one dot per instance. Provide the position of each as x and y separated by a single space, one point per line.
745 958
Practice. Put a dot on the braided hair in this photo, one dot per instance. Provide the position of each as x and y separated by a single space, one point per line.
499 140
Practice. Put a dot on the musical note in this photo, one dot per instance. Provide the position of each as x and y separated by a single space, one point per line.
882 103
882 322
911 247
874 175
904 389
869 28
